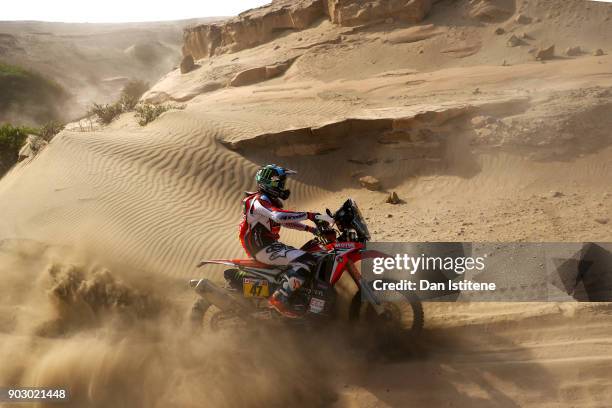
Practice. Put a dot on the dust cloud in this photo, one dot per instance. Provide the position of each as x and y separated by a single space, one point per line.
118 338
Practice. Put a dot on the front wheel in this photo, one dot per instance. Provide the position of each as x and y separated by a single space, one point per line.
402 313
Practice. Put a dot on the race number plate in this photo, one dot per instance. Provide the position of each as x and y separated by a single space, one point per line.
255 288
316 305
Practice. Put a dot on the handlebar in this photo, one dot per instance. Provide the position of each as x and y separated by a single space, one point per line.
324 232
320 224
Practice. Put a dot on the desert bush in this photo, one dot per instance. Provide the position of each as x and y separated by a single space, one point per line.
11 140
147 112
50 129
106 113
131 93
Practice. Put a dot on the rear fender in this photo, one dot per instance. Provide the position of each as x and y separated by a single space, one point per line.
268 274
217 296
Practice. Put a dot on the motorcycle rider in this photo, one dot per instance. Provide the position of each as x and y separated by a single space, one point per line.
262 219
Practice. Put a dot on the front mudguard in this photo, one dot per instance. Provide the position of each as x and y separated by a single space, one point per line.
364 288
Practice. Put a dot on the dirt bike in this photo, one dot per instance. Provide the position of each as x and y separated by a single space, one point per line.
249 283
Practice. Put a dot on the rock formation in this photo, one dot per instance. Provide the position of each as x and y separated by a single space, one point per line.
258 74
369 182
251 28
393 198
257 26
187 64
491 10
358 12
514 41
546 53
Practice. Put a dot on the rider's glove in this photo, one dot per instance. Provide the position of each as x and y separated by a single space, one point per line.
311 216
330 235
325 217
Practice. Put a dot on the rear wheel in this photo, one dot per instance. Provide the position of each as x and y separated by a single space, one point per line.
210 318
220 320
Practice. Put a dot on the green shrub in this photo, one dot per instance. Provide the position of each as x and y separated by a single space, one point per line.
105 114
131 93
12 70
147 112
29 96
11 140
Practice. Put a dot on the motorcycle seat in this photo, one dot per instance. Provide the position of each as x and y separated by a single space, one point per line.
252 263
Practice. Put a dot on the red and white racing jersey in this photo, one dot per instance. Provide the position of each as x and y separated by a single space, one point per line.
262 220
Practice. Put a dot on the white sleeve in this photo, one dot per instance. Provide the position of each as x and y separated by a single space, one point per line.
297 226
277 215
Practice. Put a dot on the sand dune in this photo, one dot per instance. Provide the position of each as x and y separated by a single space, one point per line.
476 149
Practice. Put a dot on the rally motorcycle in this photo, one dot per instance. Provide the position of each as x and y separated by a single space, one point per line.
249 283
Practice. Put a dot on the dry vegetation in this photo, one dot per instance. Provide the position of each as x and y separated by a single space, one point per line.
129 102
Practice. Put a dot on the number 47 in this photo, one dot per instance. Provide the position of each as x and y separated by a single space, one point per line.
256 289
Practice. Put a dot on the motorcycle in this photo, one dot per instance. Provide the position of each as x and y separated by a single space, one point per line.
249 283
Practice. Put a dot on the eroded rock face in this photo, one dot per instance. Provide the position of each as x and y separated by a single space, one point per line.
258 74
251 28
263 24
358 12
491 10
567 123
187 64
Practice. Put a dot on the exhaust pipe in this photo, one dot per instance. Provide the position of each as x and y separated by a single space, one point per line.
215 295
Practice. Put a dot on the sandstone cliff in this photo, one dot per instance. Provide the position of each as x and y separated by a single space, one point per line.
263 24
358 12
251 28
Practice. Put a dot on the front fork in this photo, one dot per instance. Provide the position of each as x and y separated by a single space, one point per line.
366 292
